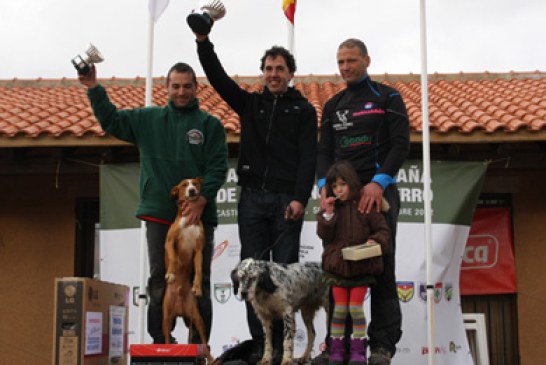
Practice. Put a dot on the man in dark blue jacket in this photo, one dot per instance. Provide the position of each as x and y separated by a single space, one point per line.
277 158
367 125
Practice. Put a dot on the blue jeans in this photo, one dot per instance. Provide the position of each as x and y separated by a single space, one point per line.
156 234
266 235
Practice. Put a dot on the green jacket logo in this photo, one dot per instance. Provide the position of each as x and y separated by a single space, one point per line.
195 136
355 141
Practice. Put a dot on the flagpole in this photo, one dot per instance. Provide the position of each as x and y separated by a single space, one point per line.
290 41
149 81
142 297
289 9
426 184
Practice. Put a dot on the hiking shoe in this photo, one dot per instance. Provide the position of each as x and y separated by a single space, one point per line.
359 348
380 356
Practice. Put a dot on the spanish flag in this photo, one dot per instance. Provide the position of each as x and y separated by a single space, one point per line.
289 8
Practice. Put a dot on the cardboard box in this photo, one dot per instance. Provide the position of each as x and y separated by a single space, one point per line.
361 252
90 322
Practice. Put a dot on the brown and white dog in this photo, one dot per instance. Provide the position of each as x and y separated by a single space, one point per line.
183 258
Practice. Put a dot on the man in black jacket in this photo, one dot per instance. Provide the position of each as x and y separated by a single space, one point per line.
277 159
367 125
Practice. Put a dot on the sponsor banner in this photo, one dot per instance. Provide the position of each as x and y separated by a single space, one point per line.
456 187
488 265
455 190
451 344
119 196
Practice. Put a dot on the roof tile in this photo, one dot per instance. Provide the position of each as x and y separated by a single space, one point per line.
462 103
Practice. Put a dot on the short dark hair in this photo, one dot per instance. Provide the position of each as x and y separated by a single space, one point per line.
352 43
182 67
276 51
344 170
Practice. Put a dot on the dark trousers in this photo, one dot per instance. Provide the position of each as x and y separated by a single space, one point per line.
156 234
385 327
266 235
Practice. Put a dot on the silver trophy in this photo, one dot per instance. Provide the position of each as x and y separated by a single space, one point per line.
83 64
201 20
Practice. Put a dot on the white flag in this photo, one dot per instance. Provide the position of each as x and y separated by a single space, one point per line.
157 7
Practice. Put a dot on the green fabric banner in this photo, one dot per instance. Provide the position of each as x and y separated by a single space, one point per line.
455 190
119 196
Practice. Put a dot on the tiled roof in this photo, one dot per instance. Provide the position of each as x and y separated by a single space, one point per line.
460 105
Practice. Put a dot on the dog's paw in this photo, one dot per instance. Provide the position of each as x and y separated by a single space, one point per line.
264 362
303 360
169 277
196 290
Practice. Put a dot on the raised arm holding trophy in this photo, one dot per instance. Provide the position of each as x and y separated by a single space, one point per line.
84 64
177 141
201 20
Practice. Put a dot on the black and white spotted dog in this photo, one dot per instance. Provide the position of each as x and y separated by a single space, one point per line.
278 291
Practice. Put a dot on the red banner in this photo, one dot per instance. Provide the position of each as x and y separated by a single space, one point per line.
488 263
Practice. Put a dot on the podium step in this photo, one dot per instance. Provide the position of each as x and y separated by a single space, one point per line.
179 354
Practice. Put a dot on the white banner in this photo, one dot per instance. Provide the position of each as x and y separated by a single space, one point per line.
119 264
119 250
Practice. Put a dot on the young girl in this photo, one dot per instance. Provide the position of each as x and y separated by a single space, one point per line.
341 225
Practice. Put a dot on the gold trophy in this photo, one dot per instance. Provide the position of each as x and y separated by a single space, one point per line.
83 64
201 20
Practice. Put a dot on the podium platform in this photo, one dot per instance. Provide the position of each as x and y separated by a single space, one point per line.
167 354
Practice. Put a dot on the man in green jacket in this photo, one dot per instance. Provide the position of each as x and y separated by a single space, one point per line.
175 142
